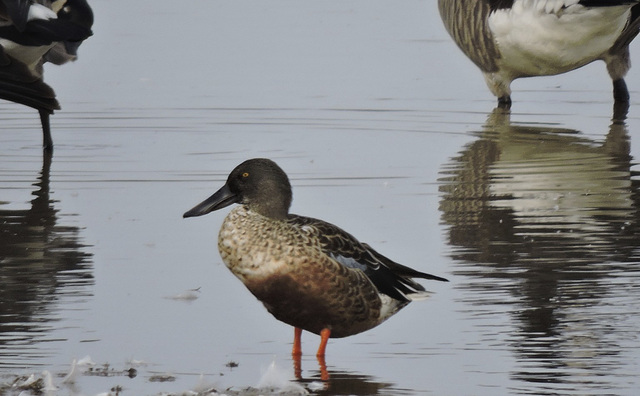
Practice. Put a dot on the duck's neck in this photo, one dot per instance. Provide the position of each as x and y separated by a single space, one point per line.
271 211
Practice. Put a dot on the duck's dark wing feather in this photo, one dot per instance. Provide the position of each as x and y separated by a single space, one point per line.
400 269
389 277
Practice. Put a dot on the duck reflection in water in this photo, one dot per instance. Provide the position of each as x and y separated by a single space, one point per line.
40 262
544 218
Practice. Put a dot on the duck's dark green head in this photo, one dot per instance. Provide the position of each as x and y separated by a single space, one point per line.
258 183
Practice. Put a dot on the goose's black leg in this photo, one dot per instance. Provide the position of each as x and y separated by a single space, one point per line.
620 91
504 102
47 142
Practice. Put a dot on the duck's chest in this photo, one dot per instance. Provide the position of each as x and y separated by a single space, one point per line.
254 247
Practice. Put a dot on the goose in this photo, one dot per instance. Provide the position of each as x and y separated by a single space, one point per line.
31 34
510 39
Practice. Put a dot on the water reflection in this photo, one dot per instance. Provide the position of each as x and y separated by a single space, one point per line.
543 224
345 383
41 263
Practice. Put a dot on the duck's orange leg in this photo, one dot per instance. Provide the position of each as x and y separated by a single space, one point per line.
324 338
297 344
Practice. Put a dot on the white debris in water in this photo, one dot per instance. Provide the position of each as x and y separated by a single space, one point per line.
316 386
77 367
278 378
28 382
202 385
48 382
70 378
86 362
188 295
136 363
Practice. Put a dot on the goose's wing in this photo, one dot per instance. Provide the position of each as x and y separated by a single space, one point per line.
466 22
630 31
19 85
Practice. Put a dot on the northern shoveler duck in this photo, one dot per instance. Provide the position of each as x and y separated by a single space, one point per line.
308 273
33 32
509 39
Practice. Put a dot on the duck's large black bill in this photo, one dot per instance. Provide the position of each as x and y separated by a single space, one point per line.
222 198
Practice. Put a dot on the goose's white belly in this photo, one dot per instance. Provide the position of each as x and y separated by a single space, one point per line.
539 37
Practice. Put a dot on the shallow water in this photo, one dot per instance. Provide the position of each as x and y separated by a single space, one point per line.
386 130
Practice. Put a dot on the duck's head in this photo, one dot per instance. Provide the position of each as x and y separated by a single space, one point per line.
258 183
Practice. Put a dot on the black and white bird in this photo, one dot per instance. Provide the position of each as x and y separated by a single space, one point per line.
33 32
509 39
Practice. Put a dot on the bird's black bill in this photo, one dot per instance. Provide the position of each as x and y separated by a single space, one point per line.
222 198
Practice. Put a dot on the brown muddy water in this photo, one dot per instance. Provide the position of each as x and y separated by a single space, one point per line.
386 130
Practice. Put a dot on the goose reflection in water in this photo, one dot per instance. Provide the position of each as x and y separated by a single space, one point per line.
41 263
543 224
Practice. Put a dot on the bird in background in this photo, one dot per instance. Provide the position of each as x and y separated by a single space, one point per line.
510 39
33 32
308 273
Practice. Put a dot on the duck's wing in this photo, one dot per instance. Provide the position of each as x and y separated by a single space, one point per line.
389 277
400 269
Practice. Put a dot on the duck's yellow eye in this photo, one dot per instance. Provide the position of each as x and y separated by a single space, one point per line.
245 174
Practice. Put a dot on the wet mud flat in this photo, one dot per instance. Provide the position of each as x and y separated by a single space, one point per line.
274 380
